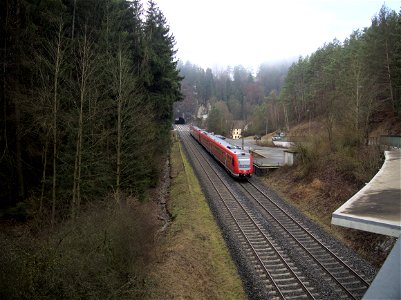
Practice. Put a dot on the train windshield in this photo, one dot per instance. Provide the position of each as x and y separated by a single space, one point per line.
244 164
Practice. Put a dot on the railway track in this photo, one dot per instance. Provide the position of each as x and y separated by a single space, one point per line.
269 237
346 282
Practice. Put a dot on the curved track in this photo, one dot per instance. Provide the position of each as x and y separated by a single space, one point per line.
269 237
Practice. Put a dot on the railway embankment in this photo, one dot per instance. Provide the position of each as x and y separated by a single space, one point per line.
323 183
192 261
271 243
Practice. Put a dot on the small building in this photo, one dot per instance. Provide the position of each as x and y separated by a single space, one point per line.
236 129
236 133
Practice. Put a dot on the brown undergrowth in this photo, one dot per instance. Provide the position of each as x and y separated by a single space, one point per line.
321 183
102 254
120 252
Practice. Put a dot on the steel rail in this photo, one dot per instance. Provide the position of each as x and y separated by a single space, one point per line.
310 235
305 231
282 259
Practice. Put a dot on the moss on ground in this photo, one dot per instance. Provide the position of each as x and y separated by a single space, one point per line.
193 261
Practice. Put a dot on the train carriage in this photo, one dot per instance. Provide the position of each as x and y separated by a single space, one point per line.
236 161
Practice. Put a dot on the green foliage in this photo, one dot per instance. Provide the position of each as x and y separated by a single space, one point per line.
220 119
214 121
238 87
342 83
79 77
346 83
159 69
383 47
259 120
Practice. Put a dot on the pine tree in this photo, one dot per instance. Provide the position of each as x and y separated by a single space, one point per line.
162 80
382 56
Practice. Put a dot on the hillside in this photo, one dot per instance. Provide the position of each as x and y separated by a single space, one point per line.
322 180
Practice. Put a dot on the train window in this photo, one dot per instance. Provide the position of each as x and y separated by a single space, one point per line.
244 164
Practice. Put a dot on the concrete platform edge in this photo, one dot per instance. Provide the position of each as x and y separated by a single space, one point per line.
365 225
366 187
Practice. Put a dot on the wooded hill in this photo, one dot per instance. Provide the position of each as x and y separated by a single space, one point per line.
87 89
348 85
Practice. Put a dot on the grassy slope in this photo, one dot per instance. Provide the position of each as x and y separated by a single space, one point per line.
192 259
320 193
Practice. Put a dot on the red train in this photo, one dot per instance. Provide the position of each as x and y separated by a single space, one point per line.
236 161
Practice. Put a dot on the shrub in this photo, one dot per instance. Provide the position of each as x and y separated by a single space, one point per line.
348 159
102 255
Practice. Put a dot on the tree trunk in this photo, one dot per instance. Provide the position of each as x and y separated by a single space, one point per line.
3 86
18 158
84 70
287 125
42 191
119 128
58 60
393 104
357 104
73 20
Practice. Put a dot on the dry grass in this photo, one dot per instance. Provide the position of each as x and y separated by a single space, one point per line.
192 258
103 254
314 202
118 253
321 182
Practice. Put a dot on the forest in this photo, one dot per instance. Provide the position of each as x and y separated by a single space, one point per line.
87 90
347 85
231 94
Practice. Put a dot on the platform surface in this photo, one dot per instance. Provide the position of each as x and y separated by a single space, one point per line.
377 207
266 156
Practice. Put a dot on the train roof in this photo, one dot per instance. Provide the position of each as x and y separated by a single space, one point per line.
235 149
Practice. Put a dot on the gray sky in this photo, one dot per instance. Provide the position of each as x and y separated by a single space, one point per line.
217 33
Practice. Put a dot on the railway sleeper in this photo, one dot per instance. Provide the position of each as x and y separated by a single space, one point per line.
340 271
297 297
286 282
359 289
273 263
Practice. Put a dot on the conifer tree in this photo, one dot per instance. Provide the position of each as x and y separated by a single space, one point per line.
382 56
162 80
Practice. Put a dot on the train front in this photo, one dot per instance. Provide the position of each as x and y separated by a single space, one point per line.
245 165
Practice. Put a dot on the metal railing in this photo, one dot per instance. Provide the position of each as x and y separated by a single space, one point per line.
392 141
